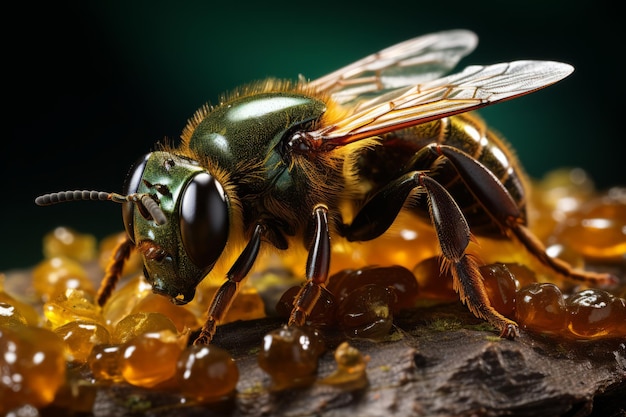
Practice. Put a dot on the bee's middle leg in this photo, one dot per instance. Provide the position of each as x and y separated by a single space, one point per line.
317 267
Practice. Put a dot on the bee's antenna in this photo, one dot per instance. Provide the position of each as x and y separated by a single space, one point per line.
144 200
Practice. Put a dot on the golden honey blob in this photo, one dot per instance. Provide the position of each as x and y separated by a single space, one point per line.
149 359
206 373
67 242
32 364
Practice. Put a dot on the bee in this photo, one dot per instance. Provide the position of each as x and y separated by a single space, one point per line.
275 162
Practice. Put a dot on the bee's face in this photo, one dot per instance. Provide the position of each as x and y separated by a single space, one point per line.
178 254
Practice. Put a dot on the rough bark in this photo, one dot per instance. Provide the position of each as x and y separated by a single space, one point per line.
439 361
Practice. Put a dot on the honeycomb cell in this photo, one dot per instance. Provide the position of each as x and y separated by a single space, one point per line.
136 324
67 242
595 313
289 356
540 307
104 362
53 276
206 373
32 367
149 359
80 337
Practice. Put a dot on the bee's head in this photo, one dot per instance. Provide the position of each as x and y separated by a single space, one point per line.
176 214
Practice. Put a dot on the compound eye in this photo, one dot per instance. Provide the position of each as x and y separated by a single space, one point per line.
131 185
204 220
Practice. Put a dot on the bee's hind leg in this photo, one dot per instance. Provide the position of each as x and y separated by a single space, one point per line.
454 236
453 233
497 201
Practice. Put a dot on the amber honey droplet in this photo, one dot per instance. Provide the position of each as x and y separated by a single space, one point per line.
139 323
540 307
53 276
500 285
248 305
366 312
104 362
432 282
598 229
149 359
206 373
70 306
64 241
32 367
124 300
399 279
351 368
556 195
323 313
24 309
410 241
523 275
80 337
290 357
10 317
182 318
595 313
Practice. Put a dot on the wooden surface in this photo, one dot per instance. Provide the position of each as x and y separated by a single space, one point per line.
439 361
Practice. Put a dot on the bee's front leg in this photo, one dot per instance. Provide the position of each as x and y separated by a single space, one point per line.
317 268
114 269
225 295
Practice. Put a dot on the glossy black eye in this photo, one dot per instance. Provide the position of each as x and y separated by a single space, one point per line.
131 184
204 220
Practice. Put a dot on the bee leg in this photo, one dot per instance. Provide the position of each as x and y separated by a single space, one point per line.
497 201
452 231
114 270
454 235
317 267
225 295
381 210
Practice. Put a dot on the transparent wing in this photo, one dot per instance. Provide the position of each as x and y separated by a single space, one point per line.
408 63
474 87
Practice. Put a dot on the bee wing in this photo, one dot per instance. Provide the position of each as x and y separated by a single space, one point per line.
408 63
474 87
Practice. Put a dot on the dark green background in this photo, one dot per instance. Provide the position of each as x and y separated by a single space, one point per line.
91 86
